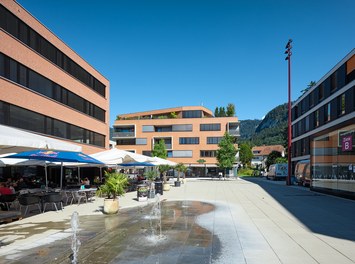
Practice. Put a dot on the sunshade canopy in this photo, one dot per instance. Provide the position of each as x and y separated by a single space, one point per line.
17 140
56 156
118 156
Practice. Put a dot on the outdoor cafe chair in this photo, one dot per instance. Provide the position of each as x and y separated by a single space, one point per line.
78 196
67 197
52 199
29 200
8 200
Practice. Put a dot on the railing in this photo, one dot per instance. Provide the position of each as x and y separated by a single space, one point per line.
122 134
234 132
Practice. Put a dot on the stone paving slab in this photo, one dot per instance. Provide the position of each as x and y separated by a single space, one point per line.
253 221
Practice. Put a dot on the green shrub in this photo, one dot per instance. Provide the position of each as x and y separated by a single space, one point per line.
245 172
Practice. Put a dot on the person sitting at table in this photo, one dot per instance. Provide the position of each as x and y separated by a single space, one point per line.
21 184
86 181
4 190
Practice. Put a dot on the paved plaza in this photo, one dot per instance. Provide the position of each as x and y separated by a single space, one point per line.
203 221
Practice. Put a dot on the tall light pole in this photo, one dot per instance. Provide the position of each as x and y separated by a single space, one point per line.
289 151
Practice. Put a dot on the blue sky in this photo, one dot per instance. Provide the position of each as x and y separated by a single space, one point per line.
166 53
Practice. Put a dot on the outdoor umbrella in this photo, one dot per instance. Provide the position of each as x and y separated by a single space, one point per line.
17 140
136 164
56 156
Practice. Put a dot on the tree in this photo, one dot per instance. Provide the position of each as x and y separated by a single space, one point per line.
163 169
222 112
216 112
226 152
309 86
160 150
181 168
245 153
271 158
281 160
202 161
230 110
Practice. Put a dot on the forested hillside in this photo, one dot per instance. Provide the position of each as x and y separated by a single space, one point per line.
272 130
247 128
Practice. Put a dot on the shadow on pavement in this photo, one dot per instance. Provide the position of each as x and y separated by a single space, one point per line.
323 214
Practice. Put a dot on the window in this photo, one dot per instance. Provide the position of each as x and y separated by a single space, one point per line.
2 65
316 118
213 140
147 153
177 128
327 112
163 128
321 92
342 104
210 127
22 118
147 128
22 75
311 99
17 28
76 134
189 141
141 141
192 114
208 153
126 141
182 153
307 124
333 81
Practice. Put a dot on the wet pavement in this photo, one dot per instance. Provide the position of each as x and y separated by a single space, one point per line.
204 221
133 236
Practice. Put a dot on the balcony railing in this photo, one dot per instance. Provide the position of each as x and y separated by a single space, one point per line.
234 132
122 134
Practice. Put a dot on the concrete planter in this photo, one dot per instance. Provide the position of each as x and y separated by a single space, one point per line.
177 183
111 206
166 186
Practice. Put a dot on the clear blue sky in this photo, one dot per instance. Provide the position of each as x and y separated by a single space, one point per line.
166 53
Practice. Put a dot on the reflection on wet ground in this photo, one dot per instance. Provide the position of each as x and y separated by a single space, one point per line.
128 237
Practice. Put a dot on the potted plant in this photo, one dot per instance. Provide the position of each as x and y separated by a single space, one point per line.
164 169
151 175
114 187
181 168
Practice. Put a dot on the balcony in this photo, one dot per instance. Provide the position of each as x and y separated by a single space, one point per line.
122 134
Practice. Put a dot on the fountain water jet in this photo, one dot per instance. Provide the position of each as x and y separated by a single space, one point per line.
75 243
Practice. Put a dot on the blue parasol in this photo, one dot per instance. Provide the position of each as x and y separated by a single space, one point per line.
136 164
55 156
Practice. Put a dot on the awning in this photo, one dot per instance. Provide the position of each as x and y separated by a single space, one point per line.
18 140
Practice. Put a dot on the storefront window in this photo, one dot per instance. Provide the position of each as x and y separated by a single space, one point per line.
333 159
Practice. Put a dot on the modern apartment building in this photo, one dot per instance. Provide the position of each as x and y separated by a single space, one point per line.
190 133
45 87
323 129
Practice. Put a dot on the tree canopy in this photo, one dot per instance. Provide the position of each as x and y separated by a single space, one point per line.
160 150
272 157
222 112
245 153
226 152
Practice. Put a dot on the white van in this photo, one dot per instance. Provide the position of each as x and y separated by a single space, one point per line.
278 171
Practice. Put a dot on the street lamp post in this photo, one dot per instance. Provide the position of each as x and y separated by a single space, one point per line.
288 58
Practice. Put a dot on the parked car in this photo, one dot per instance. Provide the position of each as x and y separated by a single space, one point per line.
277 171
303 173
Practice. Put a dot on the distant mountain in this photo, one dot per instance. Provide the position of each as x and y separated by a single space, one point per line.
247 128
272 130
